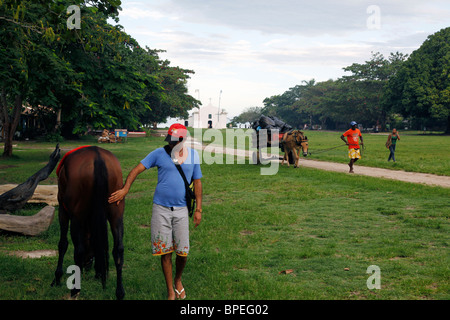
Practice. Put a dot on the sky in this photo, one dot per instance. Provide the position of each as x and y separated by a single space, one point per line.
243 51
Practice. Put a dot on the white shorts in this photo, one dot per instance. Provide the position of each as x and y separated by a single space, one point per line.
170 230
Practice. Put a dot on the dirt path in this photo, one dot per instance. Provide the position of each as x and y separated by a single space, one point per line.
413 177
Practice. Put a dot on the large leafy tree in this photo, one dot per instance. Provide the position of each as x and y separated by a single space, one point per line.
366 84
95 76
421 88
322 103
248 115
115 78
174 101
112 79
331 103
33 67
282 105
25 34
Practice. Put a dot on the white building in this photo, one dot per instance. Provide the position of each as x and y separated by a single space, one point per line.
207 117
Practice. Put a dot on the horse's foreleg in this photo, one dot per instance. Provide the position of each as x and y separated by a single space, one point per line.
62 245
117 231
297 157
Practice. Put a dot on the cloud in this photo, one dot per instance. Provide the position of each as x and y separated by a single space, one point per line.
306 18
188 46
136 12
273 17
232 30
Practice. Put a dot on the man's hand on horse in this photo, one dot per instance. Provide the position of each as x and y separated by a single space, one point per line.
117 196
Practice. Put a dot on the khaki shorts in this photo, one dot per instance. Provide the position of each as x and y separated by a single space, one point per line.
170 230
354 153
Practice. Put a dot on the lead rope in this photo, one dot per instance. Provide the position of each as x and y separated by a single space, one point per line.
325 150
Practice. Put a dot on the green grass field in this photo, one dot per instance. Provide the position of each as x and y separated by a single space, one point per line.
324 228
415 152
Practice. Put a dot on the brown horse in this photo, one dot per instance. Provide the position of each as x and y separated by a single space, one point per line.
292 141
86 177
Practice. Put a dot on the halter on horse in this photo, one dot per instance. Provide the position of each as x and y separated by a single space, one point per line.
86 177
302 141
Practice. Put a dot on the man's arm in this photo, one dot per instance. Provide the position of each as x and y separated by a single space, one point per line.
198 189
343 139
120 194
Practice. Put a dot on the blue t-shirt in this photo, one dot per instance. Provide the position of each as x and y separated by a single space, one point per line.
170 190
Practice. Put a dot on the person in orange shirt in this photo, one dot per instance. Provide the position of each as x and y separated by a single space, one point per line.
353 135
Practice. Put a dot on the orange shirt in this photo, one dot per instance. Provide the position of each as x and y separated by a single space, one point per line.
353 138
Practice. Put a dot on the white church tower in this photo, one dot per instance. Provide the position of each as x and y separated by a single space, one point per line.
207 117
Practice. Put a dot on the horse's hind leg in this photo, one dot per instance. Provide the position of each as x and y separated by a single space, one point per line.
117 231
62 245
77 233
286 156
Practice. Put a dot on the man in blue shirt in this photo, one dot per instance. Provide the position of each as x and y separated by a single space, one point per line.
170 220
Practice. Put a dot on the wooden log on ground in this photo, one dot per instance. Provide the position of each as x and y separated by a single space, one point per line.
42 194
28 225
16 198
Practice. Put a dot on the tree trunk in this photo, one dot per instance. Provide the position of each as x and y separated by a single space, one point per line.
7 150
448 125
58 121
10 123
383 120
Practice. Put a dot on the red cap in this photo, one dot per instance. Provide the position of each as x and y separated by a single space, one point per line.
176 132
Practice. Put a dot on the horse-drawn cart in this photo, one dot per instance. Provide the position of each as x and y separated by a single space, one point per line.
270 132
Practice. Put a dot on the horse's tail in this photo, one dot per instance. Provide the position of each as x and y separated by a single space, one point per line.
99 228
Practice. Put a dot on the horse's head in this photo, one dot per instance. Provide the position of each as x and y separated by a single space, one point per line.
302 141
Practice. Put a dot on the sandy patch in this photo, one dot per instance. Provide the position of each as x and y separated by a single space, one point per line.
33 254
